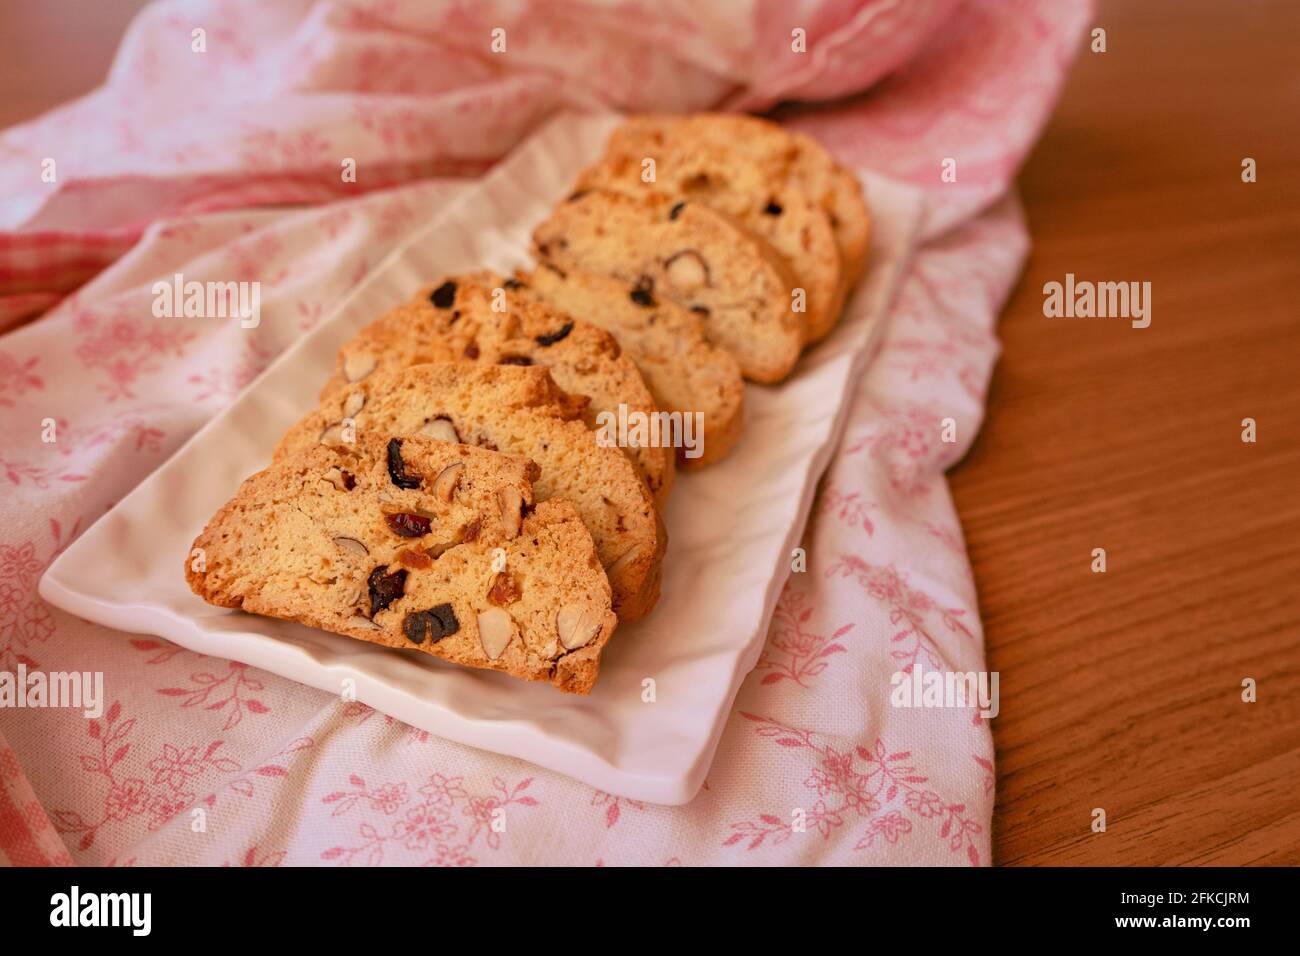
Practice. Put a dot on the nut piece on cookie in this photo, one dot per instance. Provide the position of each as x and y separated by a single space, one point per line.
724 178
741 289
794 159
696 382
477 318
388 558
518 410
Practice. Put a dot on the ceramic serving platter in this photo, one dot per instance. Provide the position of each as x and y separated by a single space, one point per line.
731 527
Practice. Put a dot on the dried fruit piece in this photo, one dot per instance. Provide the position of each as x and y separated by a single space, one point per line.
440 428
397 467
576 625
444 486
471 350
496 629
512 503
385 588
514 360
471 529
407 525
504 589
687 271
444 297
676 210
551 338
414 559
353 545
357 366
643 292
435 623
773 208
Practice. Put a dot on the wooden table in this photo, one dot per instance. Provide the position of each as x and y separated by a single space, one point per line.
1122 690
1119 690
52 51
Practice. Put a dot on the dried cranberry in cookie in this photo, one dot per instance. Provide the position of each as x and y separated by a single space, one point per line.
789 159
693 256
723 177
293 544
520 411
431 625
697 382
491 325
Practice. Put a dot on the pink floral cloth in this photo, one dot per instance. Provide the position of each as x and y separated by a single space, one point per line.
225 165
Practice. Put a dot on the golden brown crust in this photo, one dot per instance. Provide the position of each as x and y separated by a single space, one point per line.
517 410
476 318
790 157
685 373
451 559
694 256
765 202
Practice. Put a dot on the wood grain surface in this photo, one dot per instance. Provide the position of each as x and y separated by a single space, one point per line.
1119 690
1123 690
52 51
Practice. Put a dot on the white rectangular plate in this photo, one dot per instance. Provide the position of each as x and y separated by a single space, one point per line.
731 527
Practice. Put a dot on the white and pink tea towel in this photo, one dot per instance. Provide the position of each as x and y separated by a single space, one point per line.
225 164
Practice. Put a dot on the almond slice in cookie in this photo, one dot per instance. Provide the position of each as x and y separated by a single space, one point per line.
292 546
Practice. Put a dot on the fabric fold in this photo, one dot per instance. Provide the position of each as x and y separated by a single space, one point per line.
222 165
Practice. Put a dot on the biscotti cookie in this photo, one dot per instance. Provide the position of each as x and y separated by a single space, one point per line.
722 178
793 157
689 254
473 318
415 543
686 374
520 411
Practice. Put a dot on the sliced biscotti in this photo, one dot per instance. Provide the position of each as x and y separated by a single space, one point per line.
415 543
792 157
473 318
689 254
723 178
518 410
685 373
